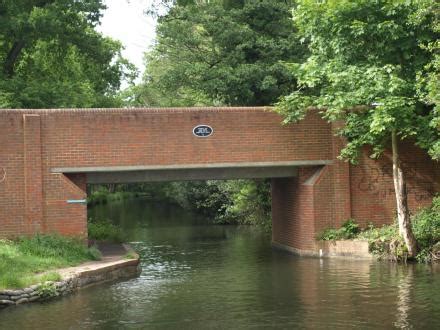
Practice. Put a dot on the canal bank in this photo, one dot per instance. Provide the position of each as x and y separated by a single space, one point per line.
119 261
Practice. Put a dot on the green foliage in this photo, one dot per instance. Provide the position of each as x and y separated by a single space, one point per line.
51 276
386 241
97 197
426 227
250 203
219 53
349 229
383 234
68 249
224 202
51 56
104 230
227 202
426 224
21 260
203 197
47 289
366 66
94 252
103 196
157 191
428 81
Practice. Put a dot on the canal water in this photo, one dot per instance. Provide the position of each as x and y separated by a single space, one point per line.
196 275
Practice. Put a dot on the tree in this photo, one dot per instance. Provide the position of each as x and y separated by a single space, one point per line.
222 53
366 60
51 55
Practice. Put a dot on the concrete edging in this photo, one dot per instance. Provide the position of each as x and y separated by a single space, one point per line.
350 249
73 279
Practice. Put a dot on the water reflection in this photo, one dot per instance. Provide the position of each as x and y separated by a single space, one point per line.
201 276
404 299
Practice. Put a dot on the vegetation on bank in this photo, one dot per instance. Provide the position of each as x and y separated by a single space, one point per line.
23 259
349 230
223 202
103 196
104 230
386 242
245 202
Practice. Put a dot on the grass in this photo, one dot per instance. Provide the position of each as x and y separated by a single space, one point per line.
21 260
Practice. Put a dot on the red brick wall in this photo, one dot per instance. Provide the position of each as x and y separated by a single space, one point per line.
33 190
118 137
33 142
324 197
372 190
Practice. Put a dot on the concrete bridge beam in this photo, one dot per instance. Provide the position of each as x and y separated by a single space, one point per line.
189 172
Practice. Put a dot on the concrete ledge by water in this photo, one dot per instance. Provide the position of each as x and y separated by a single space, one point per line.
332 249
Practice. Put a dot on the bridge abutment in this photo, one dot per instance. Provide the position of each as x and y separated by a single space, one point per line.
65 204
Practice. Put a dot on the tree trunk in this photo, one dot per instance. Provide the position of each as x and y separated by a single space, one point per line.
11 58
403 216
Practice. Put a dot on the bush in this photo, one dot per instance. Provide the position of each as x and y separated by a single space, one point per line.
426 227
103 230
386 241
103 197
249 203
47 289
383 234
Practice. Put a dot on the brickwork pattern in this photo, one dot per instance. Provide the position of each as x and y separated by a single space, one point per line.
372 189
33 142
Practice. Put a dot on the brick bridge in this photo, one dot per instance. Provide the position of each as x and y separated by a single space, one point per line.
47 157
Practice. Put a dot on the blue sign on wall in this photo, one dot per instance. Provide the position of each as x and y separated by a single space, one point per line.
202 130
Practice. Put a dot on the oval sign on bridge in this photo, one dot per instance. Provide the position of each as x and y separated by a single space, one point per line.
202 130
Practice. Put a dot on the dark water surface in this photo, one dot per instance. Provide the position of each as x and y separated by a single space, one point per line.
201 276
